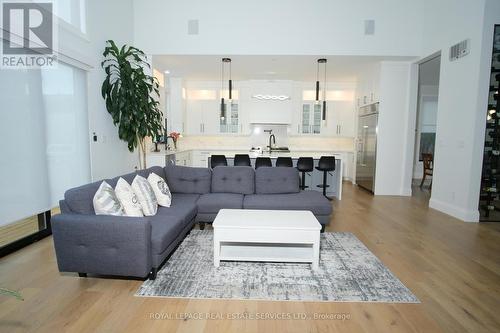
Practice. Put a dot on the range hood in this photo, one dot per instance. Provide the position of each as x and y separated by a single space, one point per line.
275 106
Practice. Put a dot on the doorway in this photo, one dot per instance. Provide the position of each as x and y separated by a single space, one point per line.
425 129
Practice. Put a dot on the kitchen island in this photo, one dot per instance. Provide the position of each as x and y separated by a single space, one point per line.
201 158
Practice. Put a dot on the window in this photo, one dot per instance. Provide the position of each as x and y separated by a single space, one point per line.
45 145
72 12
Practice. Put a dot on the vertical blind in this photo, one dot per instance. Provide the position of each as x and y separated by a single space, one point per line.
44 143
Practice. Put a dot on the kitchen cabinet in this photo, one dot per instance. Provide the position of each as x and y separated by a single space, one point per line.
231 122
340 119
200 158
202 117
155 159
183 158
311 118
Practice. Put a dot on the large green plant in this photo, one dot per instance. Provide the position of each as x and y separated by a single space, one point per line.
131 96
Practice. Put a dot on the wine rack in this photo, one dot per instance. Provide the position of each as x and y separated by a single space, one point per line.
489 200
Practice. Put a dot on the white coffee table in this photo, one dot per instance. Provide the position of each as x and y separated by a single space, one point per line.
266 235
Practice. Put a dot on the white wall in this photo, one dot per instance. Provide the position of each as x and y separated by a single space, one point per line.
111 19
462 101
393 128
278 27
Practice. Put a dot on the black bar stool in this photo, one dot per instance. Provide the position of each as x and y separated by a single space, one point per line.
217 160
284 162
263 162
305 164
242 160
326 164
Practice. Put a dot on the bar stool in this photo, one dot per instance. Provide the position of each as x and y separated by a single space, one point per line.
263 162
305 164
284 162
242 160
326 164
217 160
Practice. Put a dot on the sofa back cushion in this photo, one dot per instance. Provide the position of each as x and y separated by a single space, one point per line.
233 179
80 199
276 180
182 179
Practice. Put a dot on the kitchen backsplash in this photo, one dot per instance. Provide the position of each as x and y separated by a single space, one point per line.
245 142
259 136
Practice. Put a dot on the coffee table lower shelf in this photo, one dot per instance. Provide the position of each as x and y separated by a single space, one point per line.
266 252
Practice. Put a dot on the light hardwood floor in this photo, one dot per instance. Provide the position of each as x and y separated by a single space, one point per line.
451 266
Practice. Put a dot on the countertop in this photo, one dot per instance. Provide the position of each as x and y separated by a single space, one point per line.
295 153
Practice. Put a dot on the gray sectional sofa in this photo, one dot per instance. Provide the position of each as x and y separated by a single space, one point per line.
137 246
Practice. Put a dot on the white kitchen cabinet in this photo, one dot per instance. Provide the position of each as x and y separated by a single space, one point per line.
231 121
311 118
340 119
155 159
183 158
202 117
200 158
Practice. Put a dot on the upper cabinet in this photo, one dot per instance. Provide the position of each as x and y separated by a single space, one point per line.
340 112
268 102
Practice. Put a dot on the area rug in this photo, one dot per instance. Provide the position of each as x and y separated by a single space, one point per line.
348 272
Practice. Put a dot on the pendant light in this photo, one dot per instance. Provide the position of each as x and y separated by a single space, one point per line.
317 82
323 117
222 103
323 113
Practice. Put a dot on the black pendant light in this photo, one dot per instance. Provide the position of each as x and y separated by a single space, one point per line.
323 114
222 102
317 82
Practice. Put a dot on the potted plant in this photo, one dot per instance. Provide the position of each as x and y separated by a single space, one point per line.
131 96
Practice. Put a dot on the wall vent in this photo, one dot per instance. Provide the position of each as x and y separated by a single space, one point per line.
369 27
460 50
193 27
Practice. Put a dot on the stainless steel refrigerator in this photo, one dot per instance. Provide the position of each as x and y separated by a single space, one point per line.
366 147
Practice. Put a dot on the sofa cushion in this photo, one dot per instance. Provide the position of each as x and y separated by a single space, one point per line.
305 200
106 202
276 180
80 199
233 179
183 206
182 179
164 230
213 202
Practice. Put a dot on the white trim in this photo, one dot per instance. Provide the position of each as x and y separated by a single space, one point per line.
455 211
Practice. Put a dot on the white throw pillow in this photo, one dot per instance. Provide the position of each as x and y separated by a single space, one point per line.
128 198
145 195
105 201
160 187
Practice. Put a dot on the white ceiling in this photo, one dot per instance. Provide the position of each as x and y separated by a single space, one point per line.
246 67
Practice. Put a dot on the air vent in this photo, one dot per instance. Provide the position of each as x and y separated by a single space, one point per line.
193 27
369 27
460 50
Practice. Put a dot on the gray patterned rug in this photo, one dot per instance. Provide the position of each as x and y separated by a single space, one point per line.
348 272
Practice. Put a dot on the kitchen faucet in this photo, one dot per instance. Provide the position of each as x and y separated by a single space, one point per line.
274 141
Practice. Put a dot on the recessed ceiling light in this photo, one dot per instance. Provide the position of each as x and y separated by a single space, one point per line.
167 72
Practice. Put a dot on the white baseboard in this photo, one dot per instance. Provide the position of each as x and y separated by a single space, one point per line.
406 192
455 211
